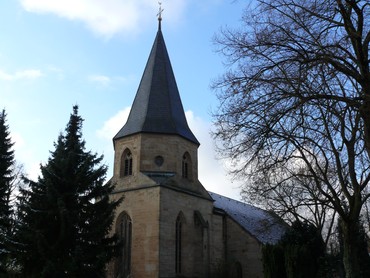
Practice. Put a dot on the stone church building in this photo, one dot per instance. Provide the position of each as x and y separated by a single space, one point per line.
170 225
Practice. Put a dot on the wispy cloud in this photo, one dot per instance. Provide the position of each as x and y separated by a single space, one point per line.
100 79
58 72
112 125
18 75
104 80
18 141
212 171
106 17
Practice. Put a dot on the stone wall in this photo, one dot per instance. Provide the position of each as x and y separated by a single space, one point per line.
145 148
211 241
142 206
244 249
195 236
217 243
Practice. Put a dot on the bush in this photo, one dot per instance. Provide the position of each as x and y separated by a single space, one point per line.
297 255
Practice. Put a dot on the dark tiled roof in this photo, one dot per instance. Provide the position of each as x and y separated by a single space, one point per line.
265 226
157 107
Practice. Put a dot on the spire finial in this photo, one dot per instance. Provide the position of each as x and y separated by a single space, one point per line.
159 14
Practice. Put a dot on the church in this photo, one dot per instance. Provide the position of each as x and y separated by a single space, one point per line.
169 224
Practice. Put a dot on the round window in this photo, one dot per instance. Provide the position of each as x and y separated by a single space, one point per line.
158 160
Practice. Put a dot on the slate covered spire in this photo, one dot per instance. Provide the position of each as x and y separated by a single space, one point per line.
157 106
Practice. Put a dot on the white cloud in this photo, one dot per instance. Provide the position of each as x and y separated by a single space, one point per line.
112 125
104 80
100 79
212 171
25 156
58 72
107 17
19 75
33 171
18 141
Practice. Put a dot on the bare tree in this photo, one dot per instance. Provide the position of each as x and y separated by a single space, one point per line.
290 191
294 110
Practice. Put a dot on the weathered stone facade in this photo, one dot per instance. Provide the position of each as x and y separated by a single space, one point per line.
154 196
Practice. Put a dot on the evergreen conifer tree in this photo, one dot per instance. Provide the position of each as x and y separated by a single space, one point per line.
66 216
7 163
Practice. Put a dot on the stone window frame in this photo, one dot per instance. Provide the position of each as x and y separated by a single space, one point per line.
124 233
186 166
179 232
126 163
236 270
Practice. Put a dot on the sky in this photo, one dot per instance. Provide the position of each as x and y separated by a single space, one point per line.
55 54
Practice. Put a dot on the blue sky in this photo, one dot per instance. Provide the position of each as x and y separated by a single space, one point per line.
54 54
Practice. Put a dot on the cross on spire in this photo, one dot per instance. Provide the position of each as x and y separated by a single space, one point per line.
159 14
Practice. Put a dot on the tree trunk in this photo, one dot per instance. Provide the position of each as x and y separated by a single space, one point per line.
365 114
350 249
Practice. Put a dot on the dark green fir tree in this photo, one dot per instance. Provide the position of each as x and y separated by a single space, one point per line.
7 163
66 216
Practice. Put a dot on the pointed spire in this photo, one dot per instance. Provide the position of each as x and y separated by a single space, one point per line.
157 106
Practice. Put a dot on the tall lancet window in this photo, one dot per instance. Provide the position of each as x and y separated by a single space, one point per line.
126 163
124 233
179 240
186 166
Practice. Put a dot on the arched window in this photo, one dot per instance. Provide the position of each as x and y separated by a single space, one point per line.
124 233
236 270
186 166
126 163
178 240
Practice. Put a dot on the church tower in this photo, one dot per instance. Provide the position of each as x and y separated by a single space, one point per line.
164 218
169 225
